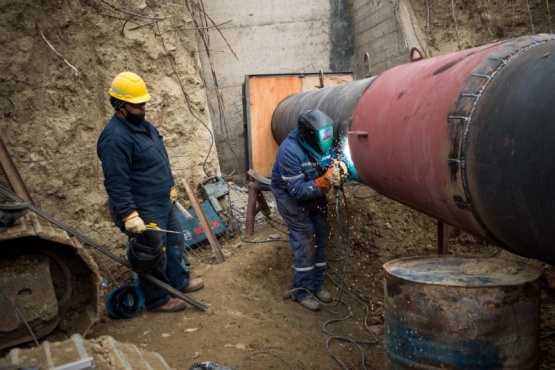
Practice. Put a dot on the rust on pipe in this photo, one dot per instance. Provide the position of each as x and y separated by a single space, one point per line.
15 182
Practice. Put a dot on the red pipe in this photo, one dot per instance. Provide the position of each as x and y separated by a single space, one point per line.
399 135
467 138
416 131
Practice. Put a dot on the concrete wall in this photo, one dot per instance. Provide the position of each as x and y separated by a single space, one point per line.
288 36
377 33
267 37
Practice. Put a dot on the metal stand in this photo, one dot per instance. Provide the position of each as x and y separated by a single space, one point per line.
256 201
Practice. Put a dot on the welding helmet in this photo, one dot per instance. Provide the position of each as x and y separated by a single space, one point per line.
125 302
317 130
129 87
146 250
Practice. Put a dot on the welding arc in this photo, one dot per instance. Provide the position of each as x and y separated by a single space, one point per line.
116 258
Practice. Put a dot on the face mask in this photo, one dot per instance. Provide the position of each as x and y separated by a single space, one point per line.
135 118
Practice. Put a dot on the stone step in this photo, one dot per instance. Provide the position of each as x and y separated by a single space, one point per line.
102 353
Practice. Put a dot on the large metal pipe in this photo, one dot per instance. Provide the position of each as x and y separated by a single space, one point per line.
467 138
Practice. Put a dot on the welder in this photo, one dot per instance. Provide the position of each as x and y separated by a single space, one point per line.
141 191
305 169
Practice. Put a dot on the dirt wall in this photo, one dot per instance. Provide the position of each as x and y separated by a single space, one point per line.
59 59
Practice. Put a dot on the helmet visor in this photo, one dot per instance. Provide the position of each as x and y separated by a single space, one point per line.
325 138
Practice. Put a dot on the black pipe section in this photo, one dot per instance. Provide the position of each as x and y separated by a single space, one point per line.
337 102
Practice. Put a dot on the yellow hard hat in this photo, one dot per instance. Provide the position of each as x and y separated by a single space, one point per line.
129 87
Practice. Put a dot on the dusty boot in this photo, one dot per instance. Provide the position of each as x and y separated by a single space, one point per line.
324 296
173 305
194 284
310 303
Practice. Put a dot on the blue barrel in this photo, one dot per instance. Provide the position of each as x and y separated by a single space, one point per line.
445 312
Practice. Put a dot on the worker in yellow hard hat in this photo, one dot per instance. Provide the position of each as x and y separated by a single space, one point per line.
141 191
128 96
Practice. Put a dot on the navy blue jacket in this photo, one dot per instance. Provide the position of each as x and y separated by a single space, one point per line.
134 162
293 175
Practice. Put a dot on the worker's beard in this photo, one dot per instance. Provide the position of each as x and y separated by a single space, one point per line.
135 118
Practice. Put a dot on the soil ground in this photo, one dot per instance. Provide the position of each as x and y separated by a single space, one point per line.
60 57
250 322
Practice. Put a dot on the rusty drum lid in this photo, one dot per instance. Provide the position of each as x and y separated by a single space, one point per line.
463 271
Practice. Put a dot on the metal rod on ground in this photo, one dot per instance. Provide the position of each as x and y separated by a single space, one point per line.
116 258
205 224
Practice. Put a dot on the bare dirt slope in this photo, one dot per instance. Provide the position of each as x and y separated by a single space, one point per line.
59 58
58 62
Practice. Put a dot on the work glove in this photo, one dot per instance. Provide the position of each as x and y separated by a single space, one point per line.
134 224
342 167
332 177
173 194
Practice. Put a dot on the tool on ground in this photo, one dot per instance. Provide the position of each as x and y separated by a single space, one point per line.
194 232
205 224
183 211
106 252
213 188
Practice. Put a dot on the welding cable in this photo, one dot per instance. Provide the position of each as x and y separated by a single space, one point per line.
343 339
289 294
236 225
359 186
275 225
339 301
368 313
20 316
344 236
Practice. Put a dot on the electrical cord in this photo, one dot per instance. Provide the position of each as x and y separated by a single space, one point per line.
343 290
344 235
359 186
235 221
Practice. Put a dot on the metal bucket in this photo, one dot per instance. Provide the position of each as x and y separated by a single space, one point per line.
446 312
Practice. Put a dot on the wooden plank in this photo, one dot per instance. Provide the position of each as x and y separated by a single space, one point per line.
204 221
264 96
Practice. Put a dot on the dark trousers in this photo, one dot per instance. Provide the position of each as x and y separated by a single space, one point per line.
172 268
308 234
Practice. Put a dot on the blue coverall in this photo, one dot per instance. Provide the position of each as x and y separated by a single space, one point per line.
137 176
303 206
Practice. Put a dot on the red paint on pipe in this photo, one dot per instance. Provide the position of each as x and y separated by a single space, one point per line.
405 150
